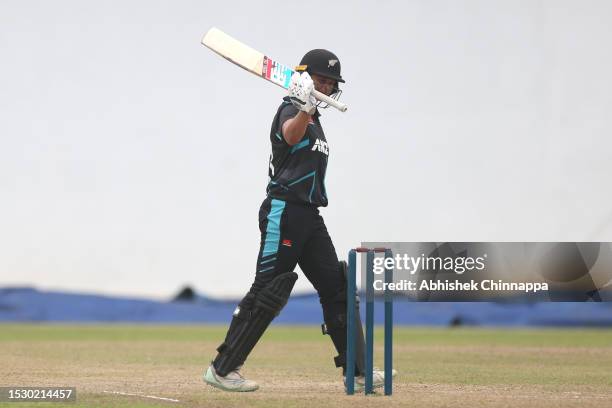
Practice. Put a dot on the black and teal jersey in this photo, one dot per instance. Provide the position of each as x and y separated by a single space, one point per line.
297 173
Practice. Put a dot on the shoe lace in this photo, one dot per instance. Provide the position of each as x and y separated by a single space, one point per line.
238 373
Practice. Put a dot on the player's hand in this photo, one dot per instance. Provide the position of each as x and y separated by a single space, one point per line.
300 92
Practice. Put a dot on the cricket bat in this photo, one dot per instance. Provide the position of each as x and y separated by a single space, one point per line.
257 63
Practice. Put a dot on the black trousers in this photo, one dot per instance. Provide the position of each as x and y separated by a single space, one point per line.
293 234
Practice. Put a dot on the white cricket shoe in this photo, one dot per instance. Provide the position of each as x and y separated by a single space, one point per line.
233 381
378 379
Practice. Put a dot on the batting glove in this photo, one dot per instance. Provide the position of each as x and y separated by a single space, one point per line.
300 92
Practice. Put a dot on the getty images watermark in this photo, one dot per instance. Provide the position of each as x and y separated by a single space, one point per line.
494 271
457 265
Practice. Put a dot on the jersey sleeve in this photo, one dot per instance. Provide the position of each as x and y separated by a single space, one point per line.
287 112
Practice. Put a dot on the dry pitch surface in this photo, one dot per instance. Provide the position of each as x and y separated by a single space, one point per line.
437 367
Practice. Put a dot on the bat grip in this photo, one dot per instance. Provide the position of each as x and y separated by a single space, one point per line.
330 101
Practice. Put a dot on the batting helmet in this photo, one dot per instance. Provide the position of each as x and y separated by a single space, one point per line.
321 62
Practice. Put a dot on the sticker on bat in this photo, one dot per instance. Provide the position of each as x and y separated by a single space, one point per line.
276 72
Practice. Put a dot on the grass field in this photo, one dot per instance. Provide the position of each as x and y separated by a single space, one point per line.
437 367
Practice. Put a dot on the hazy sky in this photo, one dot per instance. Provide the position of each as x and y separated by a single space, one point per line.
133 160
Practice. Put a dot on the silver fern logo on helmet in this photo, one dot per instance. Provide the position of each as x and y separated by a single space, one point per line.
331 63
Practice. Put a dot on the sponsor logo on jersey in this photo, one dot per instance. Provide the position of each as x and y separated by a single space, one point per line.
287 242
321 146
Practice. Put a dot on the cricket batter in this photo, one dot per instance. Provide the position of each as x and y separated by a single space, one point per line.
293 232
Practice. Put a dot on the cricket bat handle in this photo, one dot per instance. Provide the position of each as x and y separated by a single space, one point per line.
330 101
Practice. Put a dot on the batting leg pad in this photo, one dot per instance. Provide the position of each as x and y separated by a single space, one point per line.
334 315
251 319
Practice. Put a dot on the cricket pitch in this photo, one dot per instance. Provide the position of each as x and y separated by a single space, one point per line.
150 366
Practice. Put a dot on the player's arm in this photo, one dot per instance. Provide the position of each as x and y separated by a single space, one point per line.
300 92
294 129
